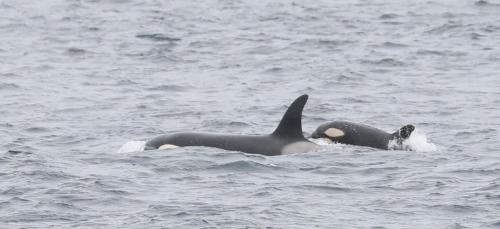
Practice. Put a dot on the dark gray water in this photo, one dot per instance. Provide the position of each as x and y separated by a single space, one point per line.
79 79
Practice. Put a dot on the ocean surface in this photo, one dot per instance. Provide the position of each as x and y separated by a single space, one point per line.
84 82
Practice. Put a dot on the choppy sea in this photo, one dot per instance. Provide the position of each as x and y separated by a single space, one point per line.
82 81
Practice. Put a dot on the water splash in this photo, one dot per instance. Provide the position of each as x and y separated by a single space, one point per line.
417 142
132 146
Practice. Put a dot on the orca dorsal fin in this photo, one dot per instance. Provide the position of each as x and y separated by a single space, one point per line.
291 123
404 132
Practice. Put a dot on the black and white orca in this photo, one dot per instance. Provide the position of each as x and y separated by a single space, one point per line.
287 138
363 135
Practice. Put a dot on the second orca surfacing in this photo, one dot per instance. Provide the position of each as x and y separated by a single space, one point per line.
287 138
362 135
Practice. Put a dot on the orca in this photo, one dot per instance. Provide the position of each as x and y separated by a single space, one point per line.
287 138
362 135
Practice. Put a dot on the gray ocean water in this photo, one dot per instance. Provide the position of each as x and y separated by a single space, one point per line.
81 78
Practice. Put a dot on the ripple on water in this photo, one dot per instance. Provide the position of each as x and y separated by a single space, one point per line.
389 44
246 166
388 16
37 130
425 52
157 37
75 51
455 208
169 88
17 152
323 188
385 62
445 28
214 124
9 86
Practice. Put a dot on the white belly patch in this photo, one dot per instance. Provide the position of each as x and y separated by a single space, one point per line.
168 146
298 147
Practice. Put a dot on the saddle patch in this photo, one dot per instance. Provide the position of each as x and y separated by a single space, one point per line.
334 133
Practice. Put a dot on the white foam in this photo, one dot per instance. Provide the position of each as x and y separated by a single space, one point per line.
417 142
321 141
132 146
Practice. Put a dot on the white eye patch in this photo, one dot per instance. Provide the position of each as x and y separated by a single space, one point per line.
334 133
168 146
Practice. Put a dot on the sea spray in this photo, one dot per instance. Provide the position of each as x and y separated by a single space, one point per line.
416 142
132 146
